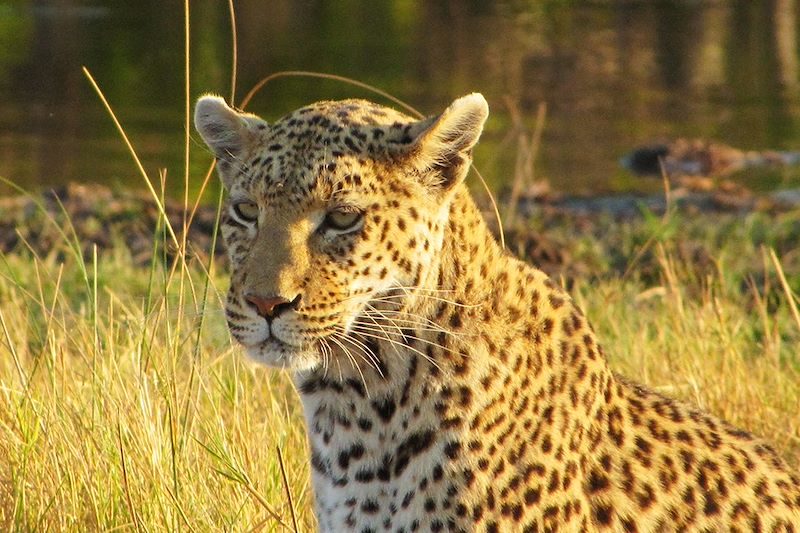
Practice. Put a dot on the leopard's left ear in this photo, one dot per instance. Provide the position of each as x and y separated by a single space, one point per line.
442 145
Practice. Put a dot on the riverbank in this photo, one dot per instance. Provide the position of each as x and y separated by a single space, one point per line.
565 236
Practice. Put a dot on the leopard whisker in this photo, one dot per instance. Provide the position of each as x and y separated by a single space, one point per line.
420 292
353 361
366 354
368 327
416 326
407 321
384 317
424 323
325 351
420 288
328 356
400 331
389 297
369 333
375 362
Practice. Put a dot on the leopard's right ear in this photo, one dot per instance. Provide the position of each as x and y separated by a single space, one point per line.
226 131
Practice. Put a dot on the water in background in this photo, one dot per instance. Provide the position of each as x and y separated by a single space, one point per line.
613 74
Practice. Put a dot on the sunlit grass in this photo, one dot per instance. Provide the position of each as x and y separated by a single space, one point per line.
116 412
730 349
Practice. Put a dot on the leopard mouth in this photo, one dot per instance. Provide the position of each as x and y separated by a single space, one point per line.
302 349
276 353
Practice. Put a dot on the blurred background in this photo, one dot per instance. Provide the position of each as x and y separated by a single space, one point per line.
613 75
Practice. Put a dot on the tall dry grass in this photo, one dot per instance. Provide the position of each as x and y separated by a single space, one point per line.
732 349
121 410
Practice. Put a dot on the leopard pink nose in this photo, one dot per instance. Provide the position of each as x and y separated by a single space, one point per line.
271 306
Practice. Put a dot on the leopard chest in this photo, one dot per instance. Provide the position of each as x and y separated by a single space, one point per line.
378 459
474 438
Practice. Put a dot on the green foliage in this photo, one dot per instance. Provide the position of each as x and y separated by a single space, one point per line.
16 37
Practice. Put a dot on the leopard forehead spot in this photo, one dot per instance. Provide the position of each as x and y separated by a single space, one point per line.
328 145
446 385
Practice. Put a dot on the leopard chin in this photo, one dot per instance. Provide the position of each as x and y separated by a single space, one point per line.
277 354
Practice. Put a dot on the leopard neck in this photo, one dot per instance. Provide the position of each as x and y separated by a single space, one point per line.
469 259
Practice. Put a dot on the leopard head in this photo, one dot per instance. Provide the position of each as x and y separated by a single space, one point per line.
334 217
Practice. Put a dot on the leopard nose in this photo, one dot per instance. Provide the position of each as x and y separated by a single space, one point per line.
271 306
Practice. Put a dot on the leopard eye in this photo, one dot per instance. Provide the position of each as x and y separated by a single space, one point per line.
246 210
342 219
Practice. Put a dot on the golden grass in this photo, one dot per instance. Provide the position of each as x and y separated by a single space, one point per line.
123 407
709 343
117 412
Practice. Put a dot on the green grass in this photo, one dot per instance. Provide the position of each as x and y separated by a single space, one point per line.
125 406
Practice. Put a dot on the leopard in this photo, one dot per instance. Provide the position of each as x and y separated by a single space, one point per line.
445 384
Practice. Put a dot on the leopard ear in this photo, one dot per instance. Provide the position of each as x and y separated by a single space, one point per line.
442 145
226 131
